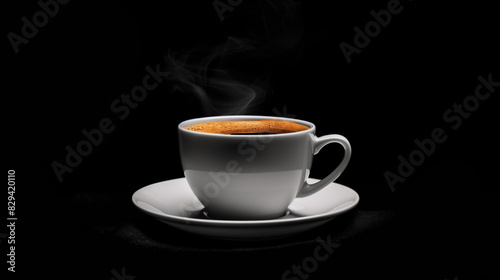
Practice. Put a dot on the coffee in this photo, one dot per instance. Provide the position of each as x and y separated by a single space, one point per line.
247 127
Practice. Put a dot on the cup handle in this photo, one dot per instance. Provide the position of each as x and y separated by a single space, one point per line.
319 143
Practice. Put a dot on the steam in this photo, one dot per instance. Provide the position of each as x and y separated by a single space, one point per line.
233 76
221 88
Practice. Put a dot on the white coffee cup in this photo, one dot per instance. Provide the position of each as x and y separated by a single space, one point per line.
253 177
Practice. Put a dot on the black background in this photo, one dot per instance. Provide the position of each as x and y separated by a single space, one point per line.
437 224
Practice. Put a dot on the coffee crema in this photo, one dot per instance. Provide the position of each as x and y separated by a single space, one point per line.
247 127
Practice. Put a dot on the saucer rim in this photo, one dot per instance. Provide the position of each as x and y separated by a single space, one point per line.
218 222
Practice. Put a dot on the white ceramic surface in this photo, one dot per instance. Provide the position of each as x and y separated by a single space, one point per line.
253 177
174 203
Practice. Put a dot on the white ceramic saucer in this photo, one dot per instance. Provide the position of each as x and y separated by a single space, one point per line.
173 203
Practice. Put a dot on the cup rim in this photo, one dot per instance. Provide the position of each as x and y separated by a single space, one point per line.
185 123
